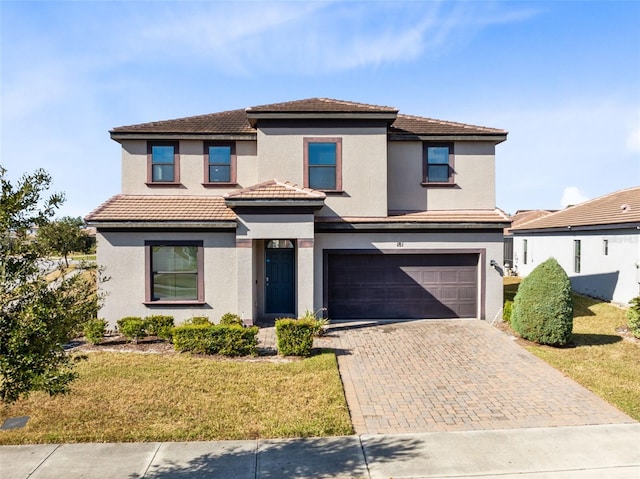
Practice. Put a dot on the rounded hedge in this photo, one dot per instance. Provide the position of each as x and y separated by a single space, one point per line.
543 307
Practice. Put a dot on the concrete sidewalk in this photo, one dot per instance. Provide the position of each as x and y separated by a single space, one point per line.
611 451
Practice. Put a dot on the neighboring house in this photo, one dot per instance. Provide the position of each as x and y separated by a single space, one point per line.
277 209
597 243
519 218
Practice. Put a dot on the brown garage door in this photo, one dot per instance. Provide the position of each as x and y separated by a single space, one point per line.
409 286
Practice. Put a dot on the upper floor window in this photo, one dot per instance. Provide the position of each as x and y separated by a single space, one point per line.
323 163
605 247
219 163
525 251
174 271
163 162
437 164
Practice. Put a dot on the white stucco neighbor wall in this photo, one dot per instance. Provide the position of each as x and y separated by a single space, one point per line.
613 277
123 256
492 243
474 166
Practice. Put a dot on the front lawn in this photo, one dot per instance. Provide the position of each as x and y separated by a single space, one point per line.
598 357
124 397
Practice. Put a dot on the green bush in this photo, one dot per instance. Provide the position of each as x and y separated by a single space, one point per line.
228 340
295 336
198 320
231 319
94 330
543 307
132 328
506 311
158 325
633 315
320 323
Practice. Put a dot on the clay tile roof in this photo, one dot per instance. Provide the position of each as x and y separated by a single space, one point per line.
620 207
427 126
524 216
321 105
162 208
234 121
275 190
237 121
445 216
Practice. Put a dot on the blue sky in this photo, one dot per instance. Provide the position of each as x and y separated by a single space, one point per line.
562 77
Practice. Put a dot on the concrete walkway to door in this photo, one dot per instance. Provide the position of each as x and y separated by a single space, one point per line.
453 375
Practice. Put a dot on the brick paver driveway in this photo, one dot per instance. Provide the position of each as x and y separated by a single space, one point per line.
422 376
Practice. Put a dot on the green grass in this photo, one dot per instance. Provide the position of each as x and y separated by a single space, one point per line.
598 357
124 397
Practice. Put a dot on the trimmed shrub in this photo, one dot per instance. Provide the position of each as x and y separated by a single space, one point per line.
94 330
295 336
159 325
633 315
222 339
321 323
506 311
231 319
198 320
543 307
132 328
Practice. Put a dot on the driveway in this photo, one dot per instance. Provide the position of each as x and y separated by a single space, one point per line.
455 375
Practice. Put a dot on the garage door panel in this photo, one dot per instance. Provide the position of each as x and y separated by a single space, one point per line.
381 286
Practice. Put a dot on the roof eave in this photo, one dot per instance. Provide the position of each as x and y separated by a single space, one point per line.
121 135
125 224
490 137
569 229
408 225
253 117
250 202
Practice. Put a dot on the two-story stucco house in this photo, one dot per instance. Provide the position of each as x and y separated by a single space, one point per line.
276 209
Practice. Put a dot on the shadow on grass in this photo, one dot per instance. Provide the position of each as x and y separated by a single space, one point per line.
276 458
586 339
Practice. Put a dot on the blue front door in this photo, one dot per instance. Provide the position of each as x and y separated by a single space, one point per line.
279 281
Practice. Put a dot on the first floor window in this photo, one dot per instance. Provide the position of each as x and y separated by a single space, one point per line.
175 271
438 163
163 159
576 256
323 161
220 163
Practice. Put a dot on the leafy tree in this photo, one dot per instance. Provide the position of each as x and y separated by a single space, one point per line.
37 317
63 236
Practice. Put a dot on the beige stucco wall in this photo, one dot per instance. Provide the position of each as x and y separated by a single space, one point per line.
364 160
123 256
134 169
474 166
492 243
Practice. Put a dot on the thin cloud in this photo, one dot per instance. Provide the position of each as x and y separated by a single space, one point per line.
572 196
306 39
